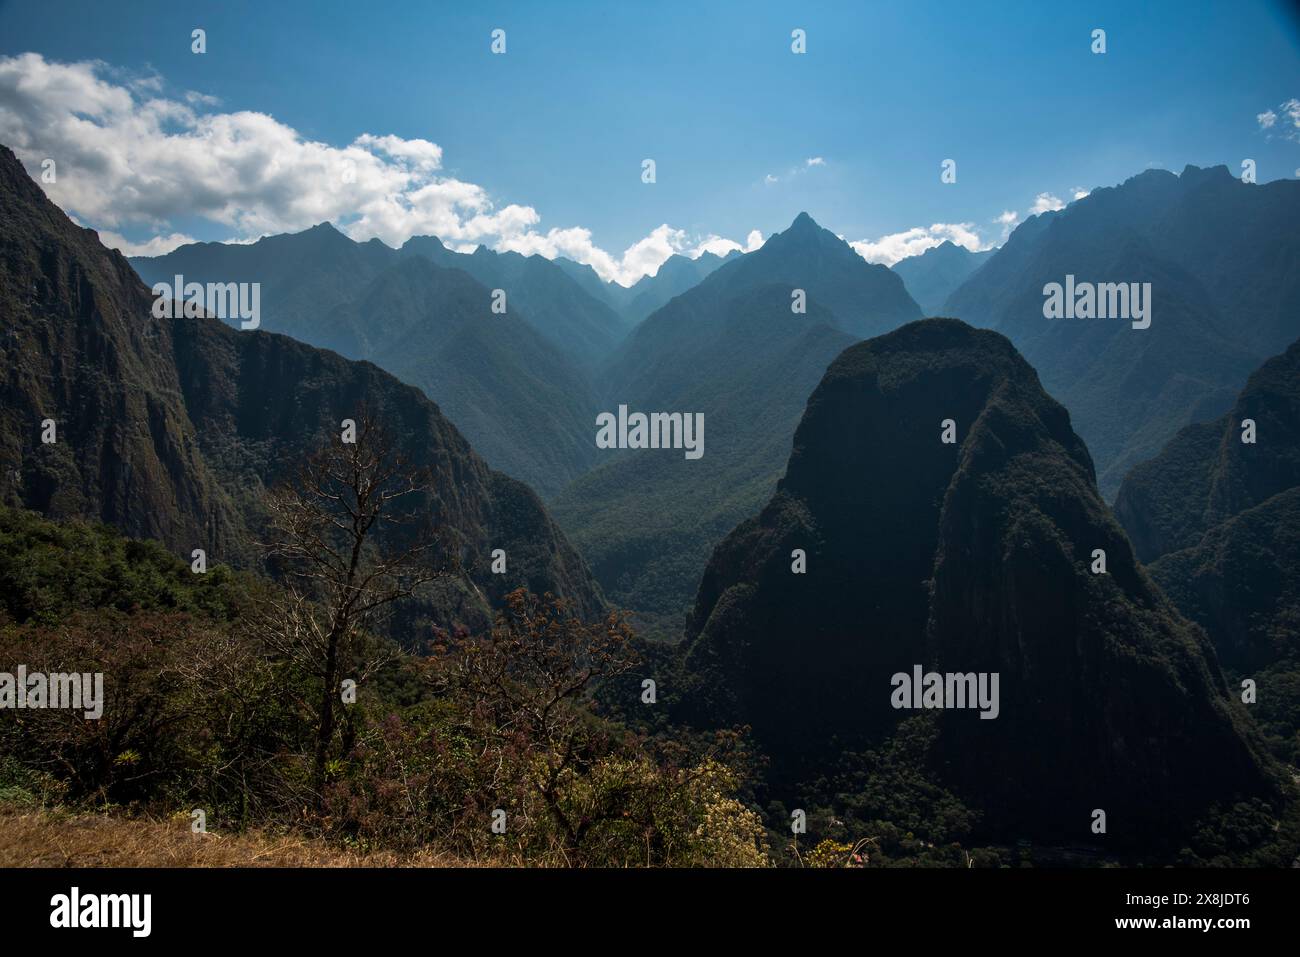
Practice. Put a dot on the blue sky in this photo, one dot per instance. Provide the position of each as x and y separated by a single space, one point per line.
560 124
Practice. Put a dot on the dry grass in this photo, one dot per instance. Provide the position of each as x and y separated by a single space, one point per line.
43 838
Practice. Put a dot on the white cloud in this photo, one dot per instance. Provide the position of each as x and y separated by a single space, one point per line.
792 172
1285 122
888 250
721 247
131 159
156 246
1079 193
1291 109
1046 203
1008 220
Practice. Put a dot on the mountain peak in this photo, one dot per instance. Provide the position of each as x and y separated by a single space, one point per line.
804 221
418 242
803 231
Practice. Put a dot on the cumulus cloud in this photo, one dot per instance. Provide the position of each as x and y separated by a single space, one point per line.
888 250
1046 203
814 161
1079 193
722 247
131 159
1266 119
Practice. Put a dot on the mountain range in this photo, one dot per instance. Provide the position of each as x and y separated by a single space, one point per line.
936 273
717 335
733 348
673 277
1219 255
863 510
518 382
170 429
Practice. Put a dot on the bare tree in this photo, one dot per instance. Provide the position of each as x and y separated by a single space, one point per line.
347 545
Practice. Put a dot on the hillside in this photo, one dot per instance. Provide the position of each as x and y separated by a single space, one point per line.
170 429
970 557
1218 521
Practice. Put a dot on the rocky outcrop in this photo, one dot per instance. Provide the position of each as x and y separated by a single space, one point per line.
977 556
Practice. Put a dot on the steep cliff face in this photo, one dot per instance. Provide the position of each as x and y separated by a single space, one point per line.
1218 519
970 557
1206 473
82 350
171 428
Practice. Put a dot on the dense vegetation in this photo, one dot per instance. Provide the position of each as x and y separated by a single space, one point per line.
975 557
1218 521
203 713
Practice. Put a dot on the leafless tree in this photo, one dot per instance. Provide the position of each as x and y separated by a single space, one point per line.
347 543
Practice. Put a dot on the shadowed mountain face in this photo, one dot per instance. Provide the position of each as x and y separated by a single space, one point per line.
1219 255
517 383
519 399
932 277
674 277
1218 519
970 557
866 299
633 303
171 428
578 325
610 293
733 349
